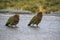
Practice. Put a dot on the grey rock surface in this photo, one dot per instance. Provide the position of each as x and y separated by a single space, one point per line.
49 28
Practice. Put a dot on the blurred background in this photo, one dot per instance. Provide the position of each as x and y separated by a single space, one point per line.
30 5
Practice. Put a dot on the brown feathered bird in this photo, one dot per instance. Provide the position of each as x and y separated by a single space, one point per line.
36 19
13 20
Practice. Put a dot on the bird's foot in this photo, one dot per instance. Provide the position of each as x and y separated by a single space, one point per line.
37 26
14 26
31 26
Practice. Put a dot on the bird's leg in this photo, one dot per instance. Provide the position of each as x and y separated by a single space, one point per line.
37 25
15 26
32 25
9 25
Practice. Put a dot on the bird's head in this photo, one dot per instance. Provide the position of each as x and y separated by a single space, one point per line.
39 13
16 15
42 9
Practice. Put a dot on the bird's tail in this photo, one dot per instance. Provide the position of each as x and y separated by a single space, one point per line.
6 24
29 24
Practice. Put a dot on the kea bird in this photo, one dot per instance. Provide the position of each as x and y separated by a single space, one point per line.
36 19
13 20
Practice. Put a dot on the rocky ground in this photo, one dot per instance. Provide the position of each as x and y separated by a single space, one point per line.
49 28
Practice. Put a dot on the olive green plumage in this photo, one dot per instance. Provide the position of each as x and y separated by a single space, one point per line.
13 20
36 19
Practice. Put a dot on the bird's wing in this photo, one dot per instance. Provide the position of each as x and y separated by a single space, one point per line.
33 19
10 19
